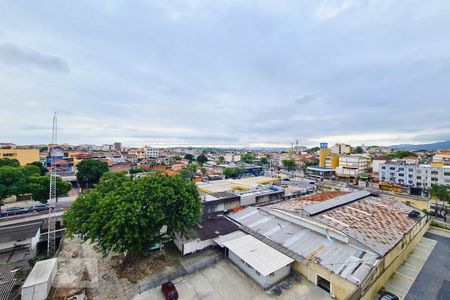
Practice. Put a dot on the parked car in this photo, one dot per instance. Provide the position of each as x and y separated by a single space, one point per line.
12 211
388 296
169 290
40 207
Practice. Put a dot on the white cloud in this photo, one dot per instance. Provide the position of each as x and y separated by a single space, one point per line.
329 9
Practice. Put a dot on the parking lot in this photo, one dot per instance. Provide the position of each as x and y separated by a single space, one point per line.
226 281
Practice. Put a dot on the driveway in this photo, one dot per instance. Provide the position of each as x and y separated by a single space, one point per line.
224 281
433 281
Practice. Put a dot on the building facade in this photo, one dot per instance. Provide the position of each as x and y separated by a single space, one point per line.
24 156
341 149
353 166
414 175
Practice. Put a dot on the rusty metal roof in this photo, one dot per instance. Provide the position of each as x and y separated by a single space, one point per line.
378 223
303 244
301 202
323 206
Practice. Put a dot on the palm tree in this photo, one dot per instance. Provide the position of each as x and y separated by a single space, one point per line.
440 192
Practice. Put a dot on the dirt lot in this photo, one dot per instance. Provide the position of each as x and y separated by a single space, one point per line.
226 281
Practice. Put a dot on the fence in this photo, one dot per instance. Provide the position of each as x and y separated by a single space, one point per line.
183 272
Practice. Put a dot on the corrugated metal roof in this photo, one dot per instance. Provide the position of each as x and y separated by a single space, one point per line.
378 223
316 208
258 255
303 244
228 237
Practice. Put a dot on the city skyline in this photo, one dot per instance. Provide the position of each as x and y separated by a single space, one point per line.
225 73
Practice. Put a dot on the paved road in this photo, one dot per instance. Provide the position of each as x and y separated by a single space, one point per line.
433 281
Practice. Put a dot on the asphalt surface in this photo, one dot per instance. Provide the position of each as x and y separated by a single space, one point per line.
433 281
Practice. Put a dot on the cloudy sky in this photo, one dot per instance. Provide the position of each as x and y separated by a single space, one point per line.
225 72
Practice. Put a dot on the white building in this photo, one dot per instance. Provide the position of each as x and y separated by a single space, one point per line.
414 175
151 152
353 165
261 262
341 149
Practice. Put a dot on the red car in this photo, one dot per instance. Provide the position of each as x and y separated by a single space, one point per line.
169 290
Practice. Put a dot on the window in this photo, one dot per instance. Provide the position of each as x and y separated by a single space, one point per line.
401 174
446 173
383 168
392 168
242 261
419 177
257 273
434 172
272 274
401 169
410 170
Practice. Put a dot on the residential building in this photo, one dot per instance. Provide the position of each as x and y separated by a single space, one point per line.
341 149
117 146
413 174
353 166
24 156
341 244
151 152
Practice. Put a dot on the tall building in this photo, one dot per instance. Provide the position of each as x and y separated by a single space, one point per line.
117 146
151 152
24 156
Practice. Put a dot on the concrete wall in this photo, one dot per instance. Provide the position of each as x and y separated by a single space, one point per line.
400 257
191 246
264 281
340 288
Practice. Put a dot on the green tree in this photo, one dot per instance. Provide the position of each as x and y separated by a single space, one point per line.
123 215
263 161
189 157
8 162
290 164
177 157
42 170
136 170
232 172
39 187
314 149
248 158
440 192
201 159
90 171
401 154
359 150
220 160
12 181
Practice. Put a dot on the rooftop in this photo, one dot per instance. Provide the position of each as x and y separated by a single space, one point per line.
9 233
299 203
257 254
211 228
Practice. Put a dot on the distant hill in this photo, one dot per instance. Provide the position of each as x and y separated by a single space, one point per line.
432 146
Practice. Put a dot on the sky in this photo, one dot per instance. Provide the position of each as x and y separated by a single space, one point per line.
225 72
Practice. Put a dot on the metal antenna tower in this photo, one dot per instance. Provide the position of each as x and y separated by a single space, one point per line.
51 222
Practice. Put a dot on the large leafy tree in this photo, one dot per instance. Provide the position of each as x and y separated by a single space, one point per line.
125 215
290 164
440 192
12 181
201 159
39 187
89 171
189 157
8 162
42 170
248 157
232 172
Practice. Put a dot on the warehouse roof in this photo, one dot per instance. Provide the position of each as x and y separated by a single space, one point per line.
258 255
335 202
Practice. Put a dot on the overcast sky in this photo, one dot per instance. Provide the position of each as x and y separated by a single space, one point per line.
213 72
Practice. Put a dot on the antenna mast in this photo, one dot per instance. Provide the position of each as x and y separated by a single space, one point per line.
51 222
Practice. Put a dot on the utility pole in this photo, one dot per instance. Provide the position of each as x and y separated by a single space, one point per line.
51 221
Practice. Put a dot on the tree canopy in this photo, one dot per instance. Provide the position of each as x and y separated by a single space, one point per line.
177 157
220 160
189 157
42 170
314 149
201 159
359 150
127 215
263 161
290 164
8 162
442 193
248 157
402 154
232 172
89 171
28 180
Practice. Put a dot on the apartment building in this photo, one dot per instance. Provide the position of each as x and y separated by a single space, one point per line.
151 152
414 175
353 166
341 149
24 156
